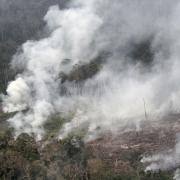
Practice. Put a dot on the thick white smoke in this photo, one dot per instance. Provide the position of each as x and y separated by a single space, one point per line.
37 88
125 87
163 161
170 159
177 175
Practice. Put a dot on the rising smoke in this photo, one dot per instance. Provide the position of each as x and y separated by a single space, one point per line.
129 78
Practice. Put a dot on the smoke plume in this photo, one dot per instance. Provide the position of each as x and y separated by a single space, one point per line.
139 76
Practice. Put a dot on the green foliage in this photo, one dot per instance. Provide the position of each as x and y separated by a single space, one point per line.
83 72
160 175
5 136
119 176
72 146
53 125
5 116
26 145
68 159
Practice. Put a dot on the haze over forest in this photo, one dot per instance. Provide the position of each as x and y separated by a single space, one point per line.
89 90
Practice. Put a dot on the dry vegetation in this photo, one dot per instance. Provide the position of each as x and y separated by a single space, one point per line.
110 157
107 158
